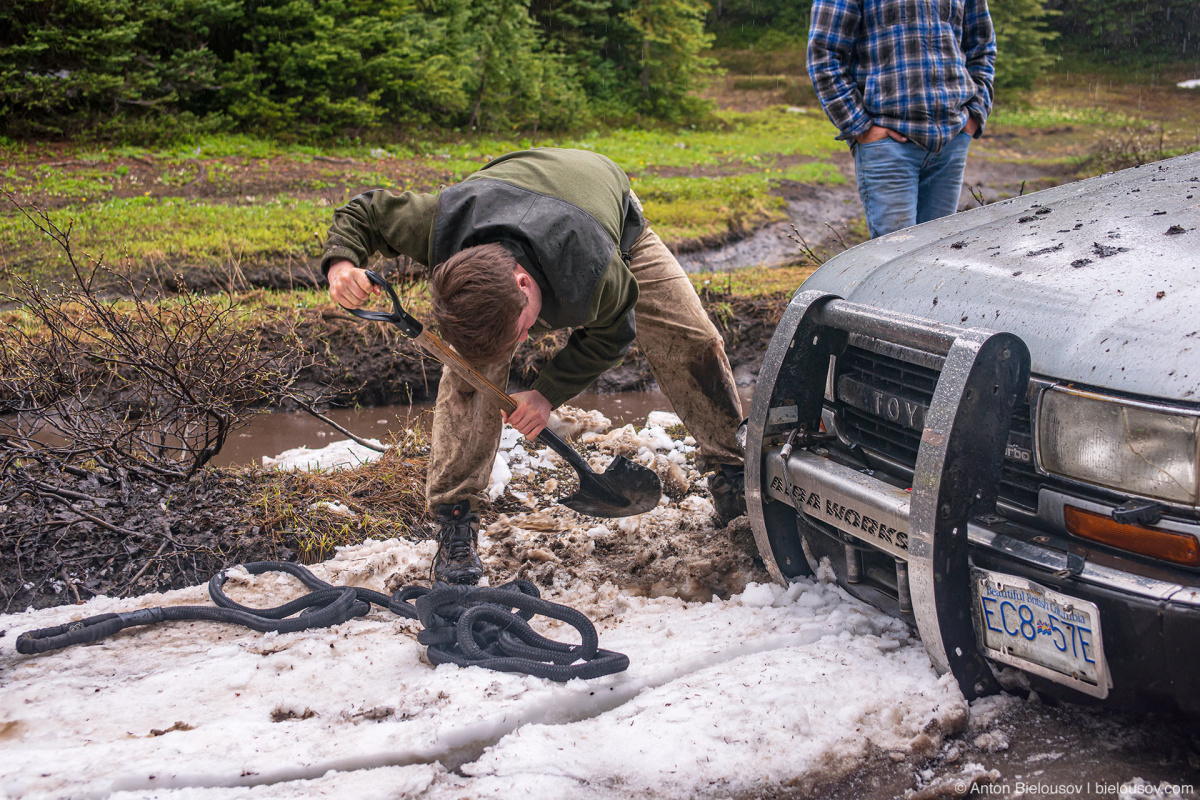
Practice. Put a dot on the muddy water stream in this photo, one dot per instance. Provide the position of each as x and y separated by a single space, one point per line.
271 434
817 213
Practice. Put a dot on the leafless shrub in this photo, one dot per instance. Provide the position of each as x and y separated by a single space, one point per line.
977 195
816 255
981 200
124 383
1128 147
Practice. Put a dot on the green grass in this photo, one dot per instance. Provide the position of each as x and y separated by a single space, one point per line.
697 208
147 230
1048 116
691 208
741 150
814 172
751 281
742 138
59 182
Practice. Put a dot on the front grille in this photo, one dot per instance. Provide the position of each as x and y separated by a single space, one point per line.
869 424
881 436
888 373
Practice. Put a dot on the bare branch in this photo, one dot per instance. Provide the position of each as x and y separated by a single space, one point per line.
311 410
154 387
977 194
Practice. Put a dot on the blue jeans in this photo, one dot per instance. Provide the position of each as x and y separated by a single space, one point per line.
902 183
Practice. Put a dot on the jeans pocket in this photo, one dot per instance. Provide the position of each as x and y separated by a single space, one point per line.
878 144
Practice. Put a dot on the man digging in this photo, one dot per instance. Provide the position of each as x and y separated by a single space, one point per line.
535 241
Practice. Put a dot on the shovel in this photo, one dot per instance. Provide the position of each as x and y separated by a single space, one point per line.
622 490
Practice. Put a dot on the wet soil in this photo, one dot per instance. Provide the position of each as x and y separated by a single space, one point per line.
1033 750
68 539
116 533
1033 747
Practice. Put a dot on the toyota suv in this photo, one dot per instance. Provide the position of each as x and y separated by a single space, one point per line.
988 425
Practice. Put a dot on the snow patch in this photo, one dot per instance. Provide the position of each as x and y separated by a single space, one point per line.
803 682
337 455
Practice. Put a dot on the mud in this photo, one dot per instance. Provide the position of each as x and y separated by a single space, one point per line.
122 537
107 534
1031 747
353 363
829 218
674 550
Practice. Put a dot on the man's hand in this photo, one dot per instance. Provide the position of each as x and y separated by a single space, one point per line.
875 133
531 414
972 127
349 285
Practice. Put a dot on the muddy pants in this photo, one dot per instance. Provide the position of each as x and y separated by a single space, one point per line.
686 355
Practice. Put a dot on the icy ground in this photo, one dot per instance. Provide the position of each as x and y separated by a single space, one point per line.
736 688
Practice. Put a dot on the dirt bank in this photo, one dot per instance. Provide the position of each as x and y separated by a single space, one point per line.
371 364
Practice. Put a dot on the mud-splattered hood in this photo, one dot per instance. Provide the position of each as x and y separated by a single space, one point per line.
1101 278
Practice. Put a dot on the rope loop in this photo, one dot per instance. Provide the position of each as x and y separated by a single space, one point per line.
464 625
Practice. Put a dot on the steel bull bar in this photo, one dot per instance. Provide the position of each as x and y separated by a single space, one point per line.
956 475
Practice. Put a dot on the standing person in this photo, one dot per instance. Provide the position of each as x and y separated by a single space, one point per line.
539 240
909 84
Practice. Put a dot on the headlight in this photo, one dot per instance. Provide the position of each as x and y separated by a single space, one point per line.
1132 447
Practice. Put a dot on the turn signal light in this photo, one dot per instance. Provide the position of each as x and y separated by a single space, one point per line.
1178 548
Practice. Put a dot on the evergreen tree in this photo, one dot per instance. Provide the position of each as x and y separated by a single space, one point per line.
1131 28
516 81
599 44
64 60
324 65
671 61
1021 38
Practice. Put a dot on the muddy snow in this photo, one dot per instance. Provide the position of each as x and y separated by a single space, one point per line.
735 688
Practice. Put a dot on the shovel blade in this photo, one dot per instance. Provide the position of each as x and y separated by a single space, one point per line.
624 489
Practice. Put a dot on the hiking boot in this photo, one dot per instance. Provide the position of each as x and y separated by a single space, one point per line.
457 559
728 489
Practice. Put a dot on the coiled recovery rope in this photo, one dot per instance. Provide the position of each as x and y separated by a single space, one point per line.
464 625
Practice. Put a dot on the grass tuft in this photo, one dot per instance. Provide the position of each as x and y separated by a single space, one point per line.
385 499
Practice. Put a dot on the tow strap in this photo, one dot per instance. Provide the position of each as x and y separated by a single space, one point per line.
465 625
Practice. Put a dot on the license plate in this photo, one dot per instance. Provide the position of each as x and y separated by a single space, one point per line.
1026 625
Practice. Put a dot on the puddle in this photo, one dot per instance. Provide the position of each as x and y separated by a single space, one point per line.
271 434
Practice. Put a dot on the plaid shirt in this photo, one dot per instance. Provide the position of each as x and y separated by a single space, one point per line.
919 67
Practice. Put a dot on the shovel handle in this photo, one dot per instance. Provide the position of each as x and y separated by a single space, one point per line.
442 352
445 354
430 343
569 454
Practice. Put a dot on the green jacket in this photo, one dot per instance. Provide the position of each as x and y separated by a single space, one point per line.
566 215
